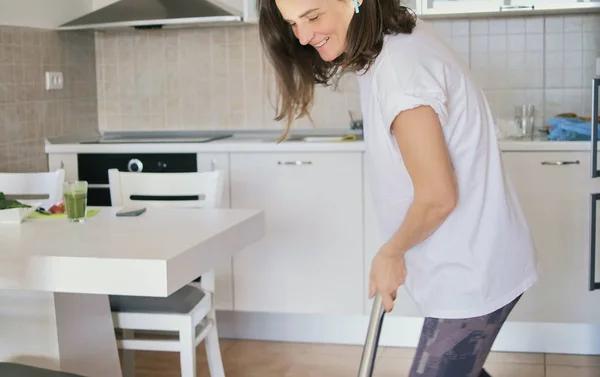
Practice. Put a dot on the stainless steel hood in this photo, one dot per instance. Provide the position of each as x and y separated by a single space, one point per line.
149 14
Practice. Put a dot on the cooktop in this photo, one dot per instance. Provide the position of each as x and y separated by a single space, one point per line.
158 139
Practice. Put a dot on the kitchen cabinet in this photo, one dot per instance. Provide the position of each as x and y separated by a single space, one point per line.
582 6
223 273
431 7
311 259
556 201
66 161
505 8
246 8
404 305
250 13
412 4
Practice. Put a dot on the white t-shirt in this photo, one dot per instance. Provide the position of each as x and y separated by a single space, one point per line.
482 256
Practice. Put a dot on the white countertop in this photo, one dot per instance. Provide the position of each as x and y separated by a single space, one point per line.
152 255
262 142
544 145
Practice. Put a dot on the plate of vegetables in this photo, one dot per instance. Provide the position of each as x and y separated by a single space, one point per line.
14 211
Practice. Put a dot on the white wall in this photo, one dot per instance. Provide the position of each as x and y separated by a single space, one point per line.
97 4
46 14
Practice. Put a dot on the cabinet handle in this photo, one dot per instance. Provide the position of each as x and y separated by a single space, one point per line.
294 162
213 163
516 7
558 163
594 137
593 285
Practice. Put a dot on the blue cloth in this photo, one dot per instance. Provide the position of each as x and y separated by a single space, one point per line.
570 129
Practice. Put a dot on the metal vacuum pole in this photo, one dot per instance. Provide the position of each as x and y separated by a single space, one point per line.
367 362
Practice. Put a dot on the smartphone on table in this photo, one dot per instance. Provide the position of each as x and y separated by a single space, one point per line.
131 211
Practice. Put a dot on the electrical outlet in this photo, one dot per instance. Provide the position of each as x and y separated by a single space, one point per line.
54 80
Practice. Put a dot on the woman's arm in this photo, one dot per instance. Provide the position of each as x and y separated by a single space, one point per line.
421 141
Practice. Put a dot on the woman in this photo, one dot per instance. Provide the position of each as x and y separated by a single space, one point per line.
456 236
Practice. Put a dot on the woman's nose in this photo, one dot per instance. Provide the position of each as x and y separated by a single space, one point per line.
305 34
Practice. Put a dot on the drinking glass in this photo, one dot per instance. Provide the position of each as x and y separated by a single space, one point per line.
525 119
75 194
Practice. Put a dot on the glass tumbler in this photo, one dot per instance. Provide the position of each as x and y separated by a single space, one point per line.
525 119
75 194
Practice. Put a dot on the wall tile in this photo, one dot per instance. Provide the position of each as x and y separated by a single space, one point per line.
565 100
213 79
29 113
534 25
479 27
567 63
516 26
219 79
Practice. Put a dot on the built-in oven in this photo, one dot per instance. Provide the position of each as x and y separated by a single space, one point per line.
93 168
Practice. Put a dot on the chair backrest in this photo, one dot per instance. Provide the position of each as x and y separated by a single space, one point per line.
200 189
47 186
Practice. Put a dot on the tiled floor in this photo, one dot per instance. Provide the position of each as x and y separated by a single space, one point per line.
244 358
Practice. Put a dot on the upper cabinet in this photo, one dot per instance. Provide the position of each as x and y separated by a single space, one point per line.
250 14
247 8
45 14
432 7
504 7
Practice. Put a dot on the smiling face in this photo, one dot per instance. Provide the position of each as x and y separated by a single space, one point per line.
323 24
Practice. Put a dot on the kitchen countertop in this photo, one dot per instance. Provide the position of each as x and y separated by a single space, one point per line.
251 141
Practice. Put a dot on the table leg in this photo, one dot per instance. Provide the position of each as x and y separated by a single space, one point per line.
86 336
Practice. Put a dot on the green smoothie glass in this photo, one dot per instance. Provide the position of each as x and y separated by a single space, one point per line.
75 194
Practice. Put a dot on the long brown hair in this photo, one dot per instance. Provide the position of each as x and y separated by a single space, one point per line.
299 68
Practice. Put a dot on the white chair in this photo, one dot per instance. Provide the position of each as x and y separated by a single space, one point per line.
48 186
190 307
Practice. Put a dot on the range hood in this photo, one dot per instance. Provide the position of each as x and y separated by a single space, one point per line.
149 14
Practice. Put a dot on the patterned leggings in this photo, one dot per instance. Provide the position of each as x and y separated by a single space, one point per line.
458 347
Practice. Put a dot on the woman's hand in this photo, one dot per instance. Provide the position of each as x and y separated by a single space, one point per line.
387 274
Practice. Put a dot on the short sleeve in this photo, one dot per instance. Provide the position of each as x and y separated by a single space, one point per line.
408 84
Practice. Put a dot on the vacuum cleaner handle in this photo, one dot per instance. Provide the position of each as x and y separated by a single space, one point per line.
367 362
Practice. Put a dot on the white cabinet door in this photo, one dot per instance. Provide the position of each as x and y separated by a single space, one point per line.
250 14
432 7
547 4
404 304
223 274
311 258
67 162
556 202
412 4
245 8
504 8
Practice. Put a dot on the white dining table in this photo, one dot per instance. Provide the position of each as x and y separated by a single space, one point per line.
55 276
